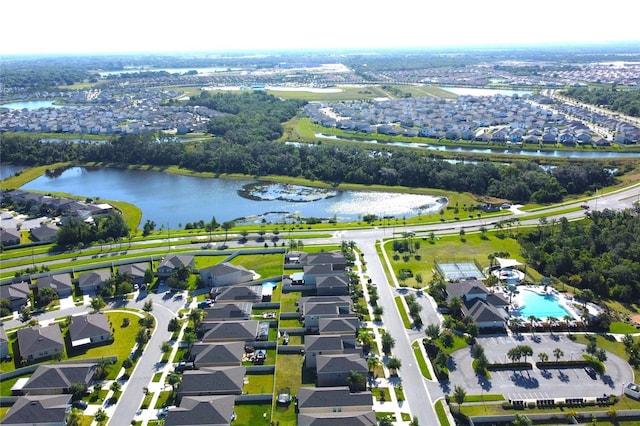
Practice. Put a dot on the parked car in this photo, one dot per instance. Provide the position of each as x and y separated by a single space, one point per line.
590 371
78 403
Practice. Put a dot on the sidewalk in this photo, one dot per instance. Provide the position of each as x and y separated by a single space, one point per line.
391 404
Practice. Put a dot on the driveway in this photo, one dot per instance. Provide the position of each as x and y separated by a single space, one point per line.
537 384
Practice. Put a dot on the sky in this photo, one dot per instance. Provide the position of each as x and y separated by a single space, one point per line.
119 26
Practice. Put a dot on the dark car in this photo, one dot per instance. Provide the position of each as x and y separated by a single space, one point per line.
80 404
591 372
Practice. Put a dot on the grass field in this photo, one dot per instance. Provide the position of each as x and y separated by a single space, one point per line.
266 265
447 248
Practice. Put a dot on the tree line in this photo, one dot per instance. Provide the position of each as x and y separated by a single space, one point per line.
624 101
600 254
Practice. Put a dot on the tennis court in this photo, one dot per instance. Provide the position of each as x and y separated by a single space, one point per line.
460 271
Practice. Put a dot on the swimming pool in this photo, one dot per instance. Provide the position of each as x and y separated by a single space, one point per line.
541 305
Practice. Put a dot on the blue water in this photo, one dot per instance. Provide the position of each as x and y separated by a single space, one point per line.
542 306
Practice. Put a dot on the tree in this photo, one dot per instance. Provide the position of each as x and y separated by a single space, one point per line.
189 337
521 420
148 276
115 386
196 316
77 390
414 422
366 340
455 306
526 351
166 347
394 365
388 343
514 354
148 306
103 367
227 226
46 295
558 353
356 381
432 331
372 363
446 337
174 324
127 363
97 303
100 415
543 357
174 380
142 337
459 394
25 313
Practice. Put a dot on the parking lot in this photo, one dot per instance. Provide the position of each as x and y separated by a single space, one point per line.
535 383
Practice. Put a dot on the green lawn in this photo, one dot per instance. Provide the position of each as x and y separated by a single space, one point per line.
448 248
5 385
163 399
622 328
403 312
258 383
288 302
288 375
253 415
422 363
443 420
267 265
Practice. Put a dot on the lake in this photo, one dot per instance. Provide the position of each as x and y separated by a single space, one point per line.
7 170
174 199
30 105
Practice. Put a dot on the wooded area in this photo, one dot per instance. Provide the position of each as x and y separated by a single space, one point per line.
601 253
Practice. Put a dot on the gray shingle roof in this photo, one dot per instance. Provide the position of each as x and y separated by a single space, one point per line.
217 353
37 409
59 376
213 380
364 418
328 397
87 326
202 410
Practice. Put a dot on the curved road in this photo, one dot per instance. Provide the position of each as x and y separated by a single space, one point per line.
417 389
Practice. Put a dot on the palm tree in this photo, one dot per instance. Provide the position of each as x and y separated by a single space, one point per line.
103 366
196 316
557 352
543 357
372 363
455 306
366 340
394 365
567 319
552 321
459 394
532 319
388 342
356 381
174 379
516 322
414 422
432 331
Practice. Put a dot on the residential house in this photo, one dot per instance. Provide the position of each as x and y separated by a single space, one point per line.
217 354
212 381
51 379
364 418
172 262
315 307
211 410
135 270
229 331
315 345
335 285
9 237
60 283
89 329
228 312
93 281
487 309
329 400
313 272
241 293
334 370
36 343
225 274
38 410
343 326
18 294
44 233
4 343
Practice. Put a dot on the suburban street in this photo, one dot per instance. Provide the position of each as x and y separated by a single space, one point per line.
418 390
